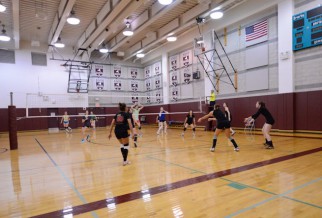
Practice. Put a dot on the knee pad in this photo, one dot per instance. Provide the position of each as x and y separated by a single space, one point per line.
139 127
194 129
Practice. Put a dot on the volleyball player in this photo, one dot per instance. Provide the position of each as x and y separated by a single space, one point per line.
122 121
162 122
65 121
229 117
86 120
267 125
189 121
93 119
222 125
135 111
130 114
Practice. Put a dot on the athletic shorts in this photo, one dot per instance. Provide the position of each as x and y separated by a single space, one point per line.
271 123
88 125
121 133
189 123
162 121
66 122
223 125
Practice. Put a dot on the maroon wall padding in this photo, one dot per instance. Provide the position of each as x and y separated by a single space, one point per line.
12 114
291 111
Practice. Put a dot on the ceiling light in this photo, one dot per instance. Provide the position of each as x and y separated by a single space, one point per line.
103 49
172 38
199 40
59 44
140 55
2 7
128 31
3 36
72 19
165 2
216 14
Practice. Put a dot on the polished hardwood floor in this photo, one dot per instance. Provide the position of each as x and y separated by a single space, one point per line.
55 175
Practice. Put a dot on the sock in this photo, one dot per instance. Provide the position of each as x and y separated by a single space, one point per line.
270 143
266 141
139 127
135 138
126 151
194 129
214 141
122 150
234 143
184 129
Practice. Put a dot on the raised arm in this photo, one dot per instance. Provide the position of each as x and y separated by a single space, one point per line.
205 117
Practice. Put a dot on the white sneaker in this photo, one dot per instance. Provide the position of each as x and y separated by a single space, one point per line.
236 149
212 149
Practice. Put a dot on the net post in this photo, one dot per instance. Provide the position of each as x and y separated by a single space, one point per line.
12 114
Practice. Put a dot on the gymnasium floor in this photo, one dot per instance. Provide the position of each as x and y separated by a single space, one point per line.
54 175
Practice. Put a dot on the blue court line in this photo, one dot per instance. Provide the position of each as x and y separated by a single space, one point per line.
277 196
80 196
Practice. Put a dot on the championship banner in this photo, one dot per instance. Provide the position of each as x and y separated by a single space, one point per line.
175 93
157 82
147 71
134 73
186 58
187 74
158 96
117 71
148 84
174 62
117 84
134 85
99 70
99 84
135 98
174 78
157 68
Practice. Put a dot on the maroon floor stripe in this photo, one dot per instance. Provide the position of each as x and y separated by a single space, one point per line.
85 208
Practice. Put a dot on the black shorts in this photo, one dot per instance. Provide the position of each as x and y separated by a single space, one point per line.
162 121
223 125
212 103
270 122
189 123
88 125
121 133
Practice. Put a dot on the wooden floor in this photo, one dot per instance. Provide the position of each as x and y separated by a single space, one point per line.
55 175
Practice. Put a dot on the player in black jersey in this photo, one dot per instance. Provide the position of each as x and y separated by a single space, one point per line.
189 121
129 111
222 124
267 125
228 116
122 121
86 120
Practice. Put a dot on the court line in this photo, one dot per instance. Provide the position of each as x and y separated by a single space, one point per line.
100 204
278 196
80 196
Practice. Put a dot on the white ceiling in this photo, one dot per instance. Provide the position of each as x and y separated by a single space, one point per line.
102 21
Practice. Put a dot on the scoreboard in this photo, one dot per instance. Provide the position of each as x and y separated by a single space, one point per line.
307 29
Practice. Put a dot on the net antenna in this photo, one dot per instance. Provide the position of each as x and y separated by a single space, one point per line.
215 63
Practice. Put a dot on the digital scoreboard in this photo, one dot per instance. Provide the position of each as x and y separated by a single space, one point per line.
307 29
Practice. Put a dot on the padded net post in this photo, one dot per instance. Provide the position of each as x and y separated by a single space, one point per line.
13 127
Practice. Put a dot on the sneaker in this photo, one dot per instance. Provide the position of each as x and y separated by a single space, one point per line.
82 141
212 149
236 149
126 163
182 134
87 138
269 147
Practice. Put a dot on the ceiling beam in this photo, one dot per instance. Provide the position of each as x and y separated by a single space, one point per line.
115 12
15 16
52 38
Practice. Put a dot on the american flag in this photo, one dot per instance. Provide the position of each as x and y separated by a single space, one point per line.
256 31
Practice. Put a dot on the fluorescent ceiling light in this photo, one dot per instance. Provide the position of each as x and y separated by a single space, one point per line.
2 7
165 2
128 31
72 19
200 40
103 50
172 38
216 15
59 44
140 55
